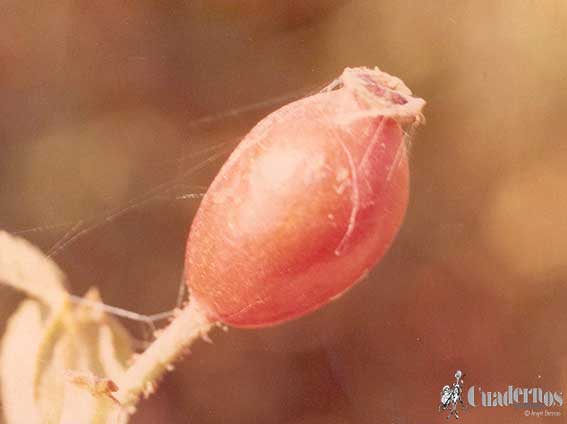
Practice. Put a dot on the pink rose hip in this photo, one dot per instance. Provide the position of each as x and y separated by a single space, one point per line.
309 201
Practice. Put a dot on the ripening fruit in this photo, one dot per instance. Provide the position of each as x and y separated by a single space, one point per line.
308 202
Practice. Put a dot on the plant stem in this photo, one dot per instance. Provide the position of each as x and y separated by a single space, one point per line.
142 376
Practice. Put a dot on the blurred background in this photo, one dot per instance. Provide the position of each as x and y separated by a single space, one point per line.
115 117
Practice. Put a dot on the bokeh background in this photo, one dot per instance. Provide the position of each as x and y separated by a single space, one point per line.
115 117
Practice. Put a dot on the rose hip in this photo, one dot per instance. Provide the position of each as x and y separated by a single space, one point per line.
309 201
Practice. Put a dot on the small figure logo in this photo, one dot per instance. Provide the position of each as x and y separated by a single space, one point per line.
451 396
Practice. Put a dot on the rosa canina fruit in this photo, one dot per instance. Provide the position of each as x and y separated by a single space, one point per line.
309 201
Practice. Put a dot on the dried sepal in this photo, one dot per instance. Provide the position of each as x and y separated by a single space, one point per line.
18 353
88 343
49 339
25 268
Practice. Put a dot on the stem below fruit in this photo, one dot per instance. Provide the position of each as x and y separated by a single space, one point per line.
142 376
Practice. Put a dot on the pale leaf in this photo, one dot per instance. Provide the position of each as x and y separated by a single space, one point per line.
26 268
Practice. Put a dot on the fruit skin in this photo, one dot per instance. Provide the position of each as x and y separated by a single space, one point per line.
309 201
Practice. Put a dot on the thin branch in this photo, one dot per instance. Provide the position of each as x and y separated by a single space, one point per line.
142 377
